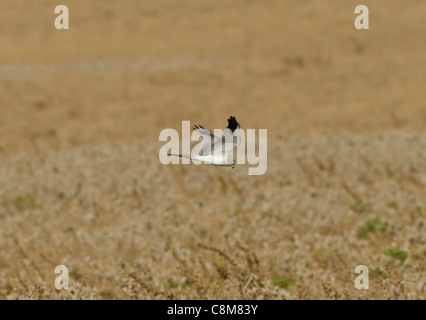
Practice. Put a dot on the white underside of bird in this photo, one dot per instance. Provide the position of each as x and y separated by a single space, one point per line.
219 160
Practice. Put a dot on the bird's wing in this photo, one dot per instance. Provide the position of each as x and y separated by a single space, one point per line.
230 139
208 138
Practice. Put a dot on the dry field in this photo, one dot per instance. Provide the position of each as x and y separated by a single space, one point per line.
129 227
81 184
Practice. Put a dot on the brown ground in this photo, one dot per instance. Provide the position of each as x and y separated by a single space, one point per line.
81 183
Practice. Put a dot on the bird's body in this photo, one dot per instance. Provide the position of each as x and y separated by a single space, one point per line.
218 150
218 160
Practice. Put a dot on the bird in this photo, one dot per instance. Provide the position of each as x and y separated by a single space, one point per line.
217 150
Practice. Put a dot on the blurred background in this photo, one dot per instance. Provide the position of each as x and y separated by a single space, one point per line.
125 71
80 181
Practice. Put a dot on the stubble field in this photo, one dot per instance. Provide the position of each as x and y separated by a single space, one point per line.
81 184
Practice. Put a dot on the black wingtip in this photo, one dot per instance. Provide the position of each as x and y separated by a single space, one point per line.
233 123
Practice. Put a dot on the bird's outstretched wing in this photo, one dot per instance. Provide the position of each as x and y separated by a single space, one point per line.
208 138
230 139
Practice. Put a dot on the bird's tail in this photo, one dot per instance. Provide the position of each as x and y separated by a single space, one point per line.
179 155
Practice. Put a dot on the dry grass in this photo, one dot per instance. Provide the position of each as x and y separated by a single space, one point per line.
81 184
128 227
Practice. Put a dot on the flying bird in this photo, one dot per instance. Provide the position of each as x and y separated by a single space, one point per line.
217 150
